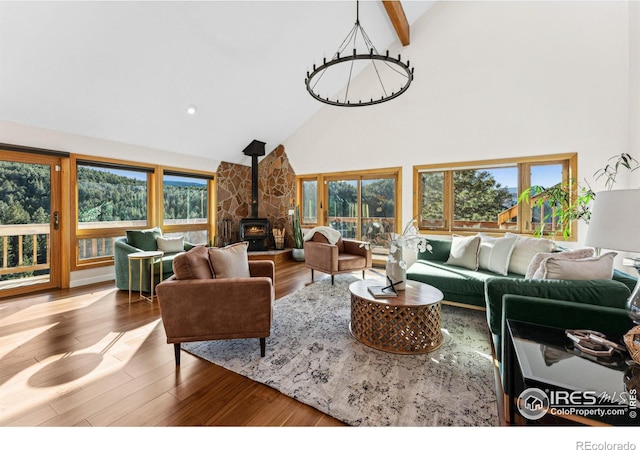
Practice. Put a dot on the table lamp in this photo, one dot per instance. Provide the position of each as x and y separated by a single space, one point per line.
614 225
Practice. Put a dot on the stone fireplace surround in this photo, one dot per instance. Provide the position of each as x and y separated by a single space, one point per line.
276 194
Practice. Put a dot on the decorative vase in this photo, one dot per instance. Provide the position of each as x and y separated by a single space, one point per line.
394 269
298 254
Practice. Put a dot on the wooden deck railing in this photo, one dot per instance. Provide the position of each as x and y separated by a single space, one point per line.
24 234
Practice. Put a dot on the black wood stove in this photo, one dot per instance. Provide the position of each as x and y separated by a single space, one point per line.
254 229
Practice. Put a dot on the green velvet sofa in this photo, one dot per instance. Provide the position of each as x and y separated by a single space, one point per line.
487 290
138 241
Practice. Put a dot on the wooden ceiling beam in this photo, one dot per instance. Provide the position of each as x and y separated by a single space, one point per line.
398 19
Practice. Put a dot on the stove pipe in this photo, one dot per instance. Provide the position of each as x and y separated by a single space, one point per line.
254 149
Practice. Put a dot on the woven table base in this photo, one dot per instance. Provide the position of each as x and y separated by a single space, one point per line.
396 329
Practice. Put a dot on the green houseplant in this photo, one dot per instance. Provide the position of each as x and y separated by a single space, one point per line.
298 243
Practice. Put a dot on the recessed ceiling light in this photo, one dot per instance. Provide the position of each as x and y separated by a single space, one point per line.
191 110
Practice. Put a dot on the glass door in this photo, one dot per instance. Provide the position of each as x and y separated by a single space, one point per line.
29 222
363 208
342 207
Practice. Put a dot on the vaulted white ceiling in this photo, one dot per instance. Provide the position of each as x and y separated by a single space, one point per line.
126 71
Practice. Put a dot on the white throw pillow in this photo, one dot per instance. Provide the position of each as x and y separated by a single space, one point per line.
486 244
464 251
500 256
495 253
524 251
534 265
170 244
596 268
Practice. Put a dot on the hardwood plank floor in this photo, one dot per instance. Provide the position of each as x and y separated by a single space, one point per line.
85 357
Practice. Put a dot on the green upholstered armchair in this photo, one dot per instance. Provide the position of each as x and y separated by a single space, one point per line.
138 241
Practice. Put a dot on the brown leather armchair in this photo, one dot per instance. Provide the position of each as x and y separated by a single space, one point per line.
218 308
346 255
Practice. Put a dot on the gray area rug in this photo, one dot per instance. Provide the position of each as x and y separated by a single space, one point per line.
312 357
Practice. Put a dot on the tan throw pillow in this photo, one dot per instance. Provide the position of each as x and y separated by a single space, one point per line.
524 251
596 268
193 264
170 244
464 251
534 265
231 261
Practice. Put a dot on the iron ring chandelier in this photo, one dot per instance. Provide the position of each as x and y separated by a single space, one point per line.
398 70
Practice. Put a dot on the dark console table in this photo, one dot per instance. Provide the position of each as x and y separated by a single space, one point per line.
542 362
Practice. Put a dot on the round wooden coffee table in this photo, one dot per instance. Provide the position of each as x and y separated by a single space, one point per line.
406 324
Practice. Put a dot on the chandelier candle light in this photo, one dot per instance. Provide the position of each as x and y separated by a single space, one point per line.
393 75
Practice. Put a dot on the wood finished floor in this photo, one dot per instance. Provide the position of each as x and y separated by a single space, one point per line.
85 357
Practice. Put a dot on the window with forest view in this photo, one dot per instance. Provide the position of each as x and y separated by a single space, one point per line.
108 198
481 196
309 202
111 197
186 202
485 197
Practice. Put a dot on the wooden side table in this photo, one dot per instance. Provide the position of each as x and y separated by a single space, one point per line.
150 257
406 324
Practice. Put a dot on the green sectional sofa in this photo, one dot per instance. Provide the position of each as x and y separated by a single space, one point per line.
484 289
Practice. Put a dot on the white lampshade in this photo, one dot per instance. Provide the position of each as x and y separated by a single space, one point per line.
615 221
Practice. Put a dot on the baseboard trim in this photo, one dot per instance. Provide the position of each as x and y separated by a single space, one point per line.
464 305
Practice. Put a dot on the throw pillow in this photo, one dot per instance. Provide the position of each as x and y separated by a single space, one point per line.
193 264
231 261
144 239
464 251
596 268
535 263
500 255
524 251
170 244
495 253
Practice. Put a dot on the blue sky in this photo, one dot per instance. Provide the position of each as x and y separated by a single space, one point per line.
546 175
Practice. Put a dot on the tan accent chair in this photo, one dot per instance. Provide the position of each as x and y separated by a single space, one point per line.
346 255
206 309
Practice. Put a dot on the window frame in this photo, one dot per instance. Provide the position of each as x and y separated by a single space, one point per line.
300 198
359 175
569 162
155 207
211 203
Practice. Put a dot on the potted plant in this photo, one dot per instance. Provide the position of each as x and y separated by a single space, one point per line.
298 242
